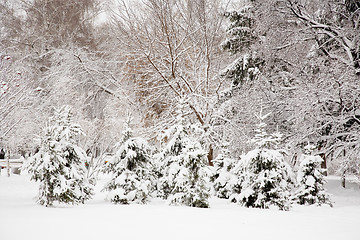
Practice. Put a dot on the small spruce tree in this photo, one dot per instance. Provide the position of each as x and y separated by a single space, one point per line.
185 176
132 171
223 179
310 180
265 179
59 165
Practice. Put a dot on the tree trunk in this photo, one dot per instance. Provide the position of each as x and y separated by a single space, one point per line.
210 155
8 164
323 163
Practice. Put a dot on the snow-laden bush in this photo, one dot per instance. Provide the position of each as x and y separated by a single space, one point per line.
132 171
265 179
59 165
223 179
310 182
182 164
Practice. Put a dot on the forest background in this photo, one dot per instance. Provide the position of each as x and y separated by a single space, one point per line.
231 60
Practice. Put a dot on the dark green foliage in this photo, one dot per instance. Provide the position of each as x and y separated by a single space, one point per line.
224 181
240 31
265 179
240 37
244 70
182 162
59 165
132 171
311 182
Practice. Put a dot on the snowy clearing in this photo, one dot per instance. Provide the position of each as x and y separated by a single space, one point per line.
21 218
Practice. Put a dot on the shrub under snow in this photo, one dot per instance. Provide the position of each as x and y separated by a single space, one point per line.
132 171
183 167
223 179
311 182
59 165
265 179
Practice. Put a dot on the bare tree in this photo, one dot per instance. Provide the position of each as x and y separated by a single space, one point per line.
172 52
12 93
50 42
329 73
308 79
336 28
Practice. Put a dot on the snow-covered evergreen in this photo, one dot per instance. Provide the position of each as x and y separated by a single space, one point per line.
185 175
59 165
240 36
132 171
265 179
223 179
310 181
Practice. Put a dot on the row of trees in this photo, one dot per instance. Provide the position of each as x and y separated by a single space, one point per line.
296 59
177 172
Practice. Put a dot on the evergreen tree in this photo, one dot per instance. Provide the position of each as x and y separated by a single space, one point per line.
240 36
132 170
311 181
223 179
264 176
59 165
182 161
242 39
240 32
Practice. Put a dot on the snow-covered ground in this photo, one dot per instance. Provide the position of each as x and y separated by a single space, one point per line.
21 218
